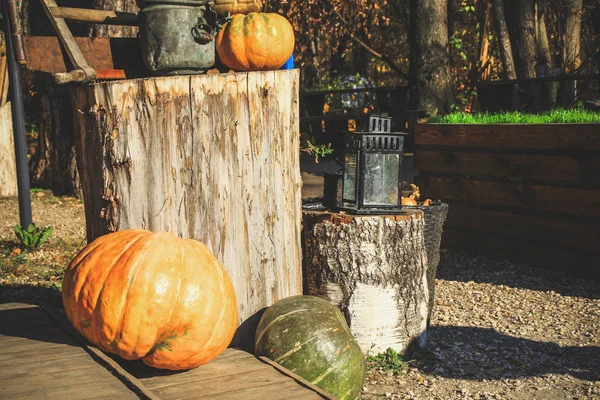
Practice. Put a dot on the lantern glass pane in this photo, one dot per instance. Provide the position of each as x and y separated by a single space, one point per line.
381 179
350 177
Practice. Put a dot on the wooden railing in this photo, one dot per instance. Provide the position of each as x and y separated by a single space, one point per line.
512 95
324 128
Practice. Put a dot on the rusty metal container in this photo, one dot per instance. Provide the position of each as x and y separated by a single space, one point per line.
177 36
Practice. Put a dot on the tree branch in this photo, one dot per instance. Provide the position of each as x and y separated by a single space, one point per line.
385 58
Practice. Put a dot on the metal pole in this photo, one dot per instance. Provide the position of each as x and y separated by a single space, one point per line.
18 117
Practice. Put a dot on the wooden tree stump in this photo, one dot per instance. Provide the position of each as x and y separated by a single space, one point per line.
374 269
8 163
209 157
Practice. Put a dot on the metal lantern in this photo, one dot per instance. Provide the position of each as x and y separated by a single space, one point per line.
372 178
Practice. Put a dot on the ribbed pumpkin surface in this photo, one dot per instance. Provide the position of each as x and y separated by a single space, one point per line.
151 296
237 6
310 337
255 42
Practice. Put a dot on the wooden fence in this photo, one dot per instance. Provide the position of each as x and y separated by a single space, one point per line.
533 93
329 127
526 193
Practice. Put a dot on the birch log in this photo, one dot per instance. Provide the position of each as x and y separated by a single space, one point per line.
8 163
209 157
374 269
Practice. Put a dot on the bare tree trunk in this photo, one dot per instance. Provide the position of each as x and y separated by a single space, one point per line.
504 40
453 10
482 68
543 46
97 30
521 25
549 89
429 72
573 10
53 166
590 32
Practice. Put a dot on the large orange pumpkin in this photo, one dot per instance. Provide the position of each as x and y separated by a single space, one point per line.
151 296
255 42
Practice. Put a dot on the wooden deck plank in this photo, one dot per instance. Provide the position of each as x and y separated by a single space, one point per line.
48 366
233 375
128 395
219 372
227 363
31 346
282 390
34 355
91 390
52 334
214 387
40 360
58 379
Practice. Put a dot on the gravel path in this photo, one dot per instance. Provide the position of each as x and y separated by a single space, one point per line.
503 331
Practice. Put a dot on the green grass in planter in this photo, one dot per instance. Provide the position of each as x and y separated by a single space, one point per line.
557 116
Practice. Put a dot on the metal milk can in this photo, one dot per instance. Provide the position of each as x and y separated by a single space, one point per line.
177 36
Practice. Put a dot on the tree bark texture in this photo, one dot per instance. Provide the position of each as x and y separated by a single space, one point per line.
209 157
53 166
101 30
527 29
543 45
453 11
572 47
8 163
504 40
374 269
429 71
549 89
521 24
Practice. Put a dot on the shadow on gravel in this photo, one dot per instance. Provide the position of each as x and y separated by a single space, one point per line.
464 267
480 353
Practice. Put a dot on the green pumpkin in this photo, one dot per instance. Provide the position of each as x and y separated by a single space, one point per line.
310 337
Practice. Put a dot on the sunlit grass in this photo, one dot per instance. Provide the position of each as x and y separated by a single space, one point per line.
556 116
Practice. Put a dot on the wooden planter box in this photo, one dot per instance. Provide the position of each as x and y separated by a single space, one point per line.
526 193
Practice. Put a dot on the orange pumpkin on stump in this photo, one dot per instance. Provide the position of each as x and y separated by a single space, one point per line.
151 296
223 7
255 42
